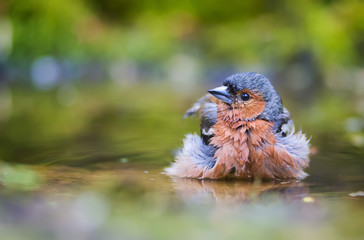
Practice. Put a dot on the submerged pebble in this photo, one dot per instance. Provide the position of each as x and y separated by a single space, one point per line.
308 199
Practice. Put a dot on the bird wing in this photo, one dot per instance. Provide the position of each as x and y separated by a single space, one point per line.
206 107
284 125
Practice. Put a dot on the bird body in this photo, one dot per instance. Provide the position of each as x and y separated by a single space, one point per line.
246 133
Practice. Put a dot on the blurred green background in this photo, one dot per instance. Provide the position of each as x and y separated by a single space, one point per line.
157 40
92 95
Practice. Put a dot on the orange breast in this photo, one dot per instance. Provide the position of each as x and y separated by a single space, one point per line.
248 149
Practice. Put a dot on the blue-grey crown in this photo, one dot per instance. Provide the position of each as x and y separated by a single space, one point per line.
257 82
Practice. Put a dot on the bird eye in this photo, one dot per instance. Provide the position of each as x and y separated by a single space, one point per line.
245 96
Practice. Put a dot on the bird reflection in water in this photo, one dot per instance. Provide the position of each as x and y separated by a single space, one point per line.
235 191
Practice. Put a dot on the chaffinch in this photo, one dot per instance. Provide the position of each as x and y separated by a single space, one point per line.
246 133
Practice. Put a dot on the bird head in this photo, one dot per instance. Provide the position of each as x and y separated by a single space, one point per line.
251 95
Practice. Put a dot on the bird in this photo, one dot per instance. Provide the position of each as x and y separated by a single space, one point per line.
245 133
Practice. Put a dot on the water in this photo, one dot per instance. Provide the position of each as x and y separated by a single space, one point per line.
94 170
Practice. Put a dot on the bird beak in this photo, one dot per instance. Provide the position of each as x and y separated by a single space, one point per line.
221 93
